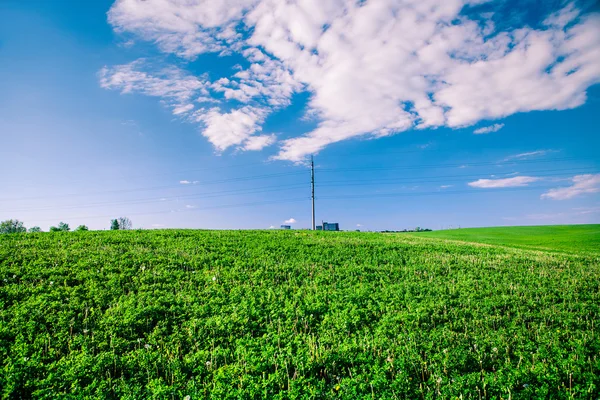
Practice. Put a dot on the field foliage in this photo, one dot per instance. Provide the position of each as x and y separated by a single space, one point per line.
246 315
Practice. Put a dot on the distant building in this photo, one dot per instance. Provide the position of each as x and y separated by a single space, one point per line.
331 226
319 227
286 227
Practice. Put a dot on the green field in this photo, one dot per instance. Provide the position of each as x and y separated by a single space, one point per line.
568 238
294 314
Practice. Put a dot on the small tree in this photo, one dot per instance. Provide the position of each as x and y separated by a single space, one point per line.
82 228
62 227
124 223
114 225
12 226
34 229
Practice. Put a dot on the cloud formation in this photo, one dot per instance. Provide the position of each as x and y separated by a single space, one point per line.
582 184
373 68
289 221
488 129
517 181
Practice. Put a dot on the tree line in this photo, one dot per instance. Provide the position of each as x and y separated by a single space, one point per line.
16 226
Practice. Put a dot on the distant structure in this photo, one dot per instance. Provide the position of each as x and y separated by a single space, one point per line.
330 226
286 227
319 227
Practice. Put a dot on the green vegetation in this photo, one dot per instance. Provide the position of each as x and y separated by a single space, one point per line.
569 238
293 314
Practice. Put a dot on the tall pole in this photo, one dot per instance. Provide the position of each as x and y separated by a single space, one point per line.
312 187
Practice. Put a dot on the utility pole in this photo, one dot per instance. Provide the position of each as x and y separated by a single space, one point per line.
312 187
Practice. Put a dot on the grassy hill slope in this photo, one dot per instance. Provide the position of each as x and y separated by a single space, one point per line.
570 238
327 315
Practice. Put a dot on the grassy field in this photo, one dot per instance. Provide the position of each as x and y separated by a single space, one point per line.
296 314
569 238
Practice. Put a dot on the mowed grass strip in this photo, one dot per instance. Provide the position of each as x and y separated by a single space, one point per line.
321 315
566 238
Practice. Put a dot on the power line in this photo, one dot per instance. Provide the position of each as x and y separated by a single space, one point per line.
301 199
176 172
272 188
496 190
186 210
266 176
163 199
147 189
371 182
507 163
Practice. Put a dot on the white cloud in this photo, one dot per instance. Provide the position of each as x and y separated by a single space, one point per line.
259 142
582 184
290 221
186 28
488 129
446 186
189 206
359 225
517 181
530 154
373 68
231 128
222 129
183 109
171 84
185 182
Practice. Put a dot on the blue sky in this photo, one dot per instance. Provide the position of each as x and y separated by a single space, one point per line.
203 116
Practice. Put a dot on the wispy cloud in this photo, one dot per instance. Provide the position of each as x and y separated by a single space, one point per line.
542 216
516 181
446 186
586 210
189 206
185 182
529 154
289 221
582 184
488 129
